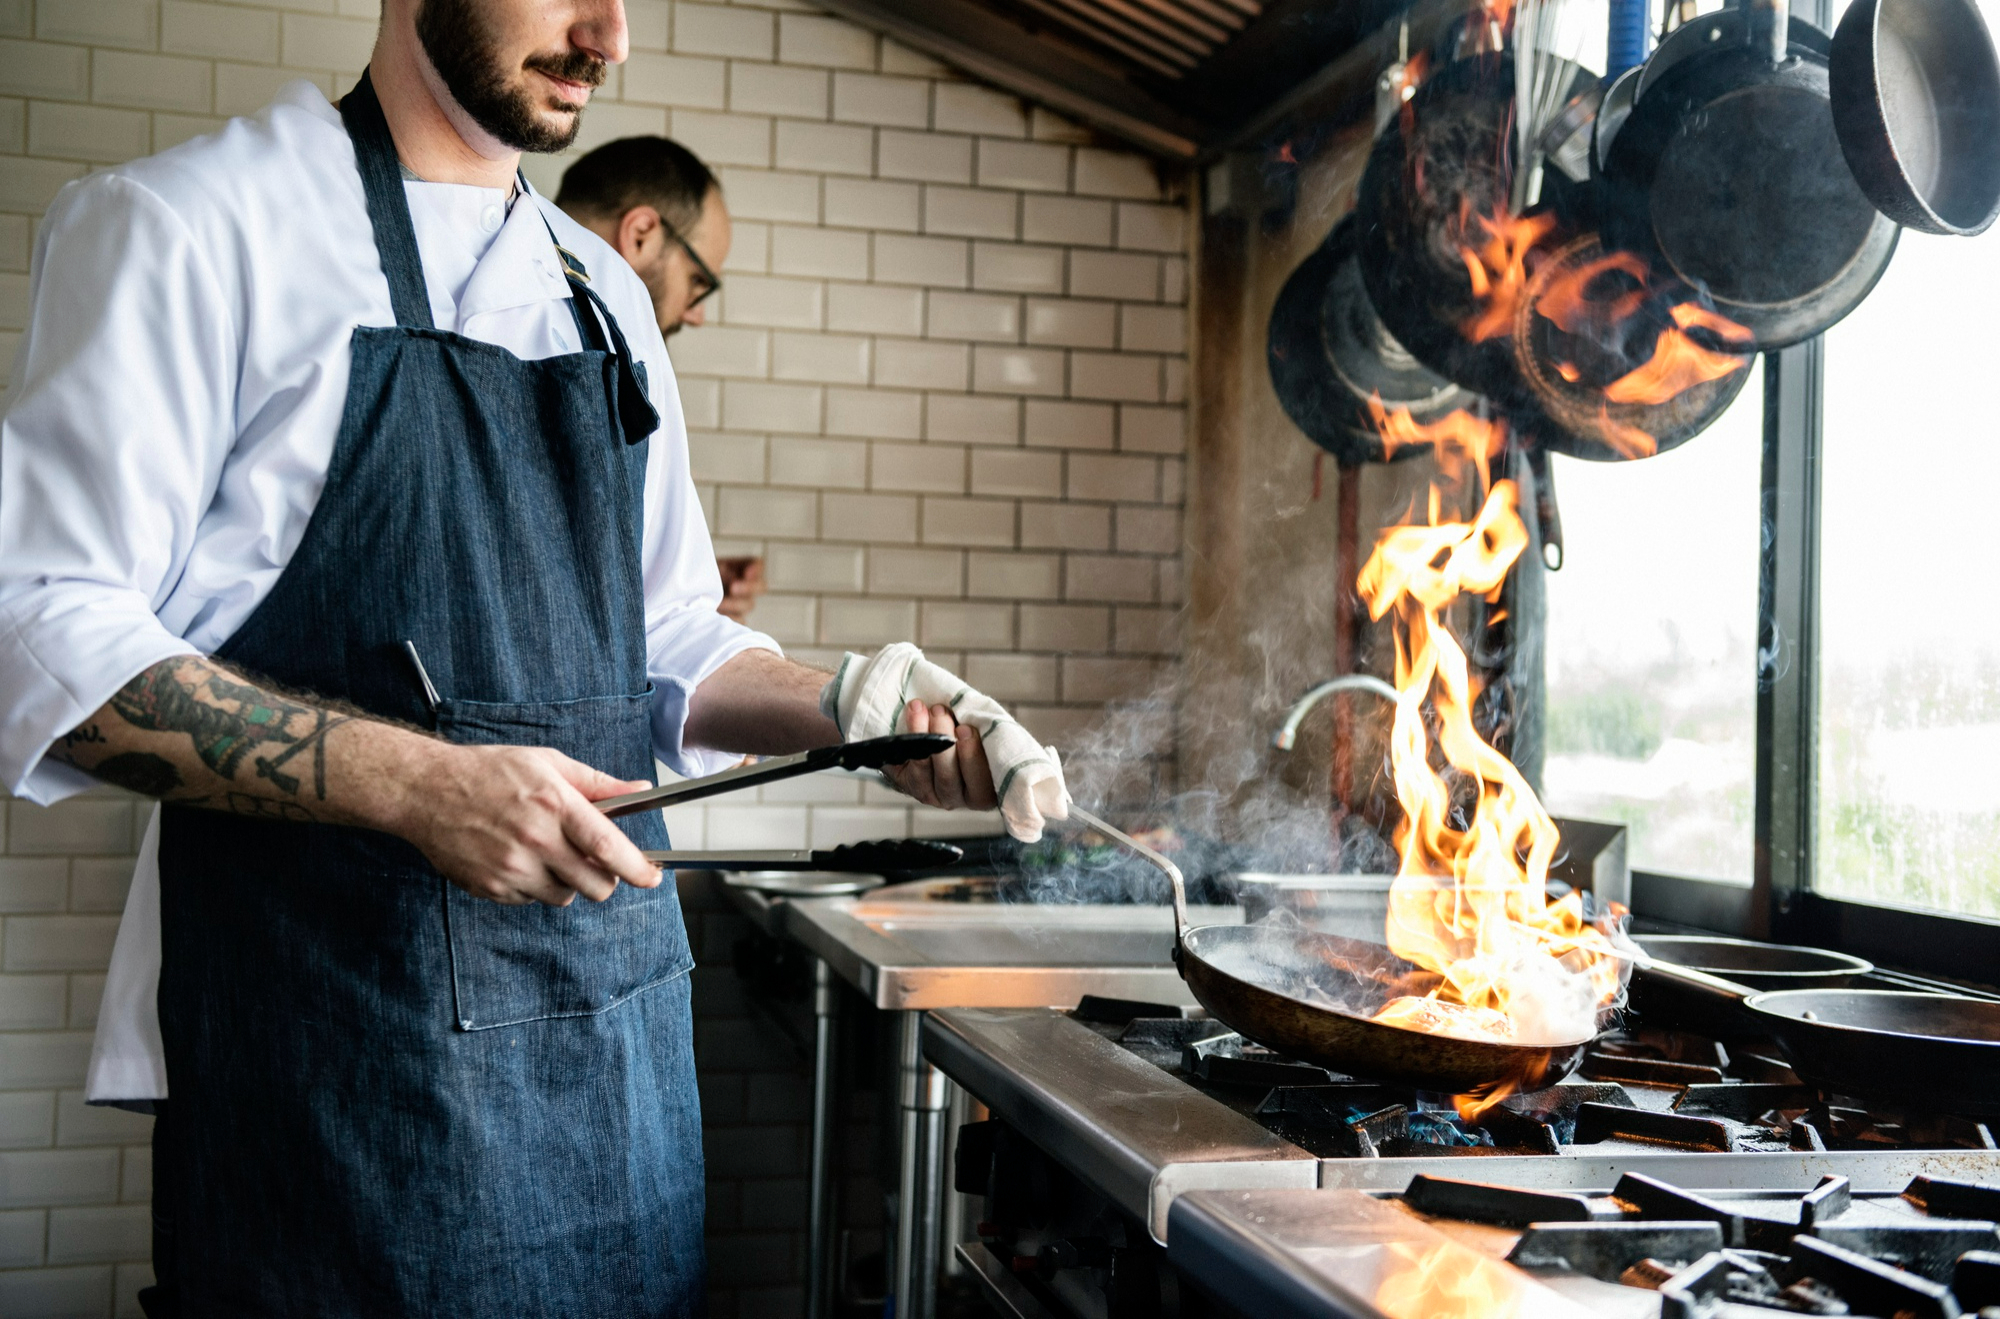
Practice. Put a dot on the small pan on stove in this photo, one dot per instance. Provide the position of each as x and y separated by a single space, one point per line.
1237 971
1752 964
1940 1052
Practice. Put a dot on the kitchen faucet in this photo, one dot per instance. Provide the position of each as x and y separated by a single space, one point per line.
1288 732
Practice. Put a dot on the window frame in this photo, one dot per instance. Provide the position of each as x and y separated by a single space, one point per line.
1781 902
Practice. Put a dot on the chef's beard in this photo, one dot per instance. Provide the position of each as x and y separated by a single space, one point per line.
461 48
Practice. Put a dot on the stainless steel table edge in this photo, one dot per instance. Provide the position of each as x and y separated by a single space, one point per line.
1000 1057
879 968
1178 1179
1872 1172
1256 1273
1243 1246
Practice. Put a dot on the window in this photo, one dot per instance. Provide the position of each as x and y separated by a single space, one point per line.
1908 800
1652 627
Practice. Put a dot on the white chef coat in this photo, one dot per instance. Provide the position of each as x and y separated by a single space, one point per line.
173 413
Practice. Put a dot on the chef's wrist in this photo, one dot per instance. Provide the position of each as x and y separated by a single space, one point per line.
400 773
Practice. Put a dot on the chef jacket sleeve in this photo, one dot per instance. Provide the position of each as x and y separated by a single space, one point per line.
686 639
120 414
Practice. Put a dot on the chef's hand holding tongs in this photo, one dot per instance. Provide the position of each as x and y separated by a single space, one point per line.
956 748
874 695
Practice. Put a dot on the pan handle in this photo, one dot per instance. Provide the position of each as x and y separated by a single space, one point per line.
1681 995
1168 868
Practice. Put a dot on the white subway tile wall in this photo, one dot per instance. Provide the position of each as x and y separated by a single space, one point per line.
942 392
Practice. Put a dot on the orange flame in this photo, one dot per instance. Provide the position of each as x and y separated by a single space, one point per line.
1464 443
1445 1281
1678 363
1415 70
1498 268
1471 904
1567 303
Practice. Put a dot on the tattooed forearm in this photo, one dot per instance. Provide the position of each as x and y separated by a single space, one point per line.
229 720
188 730
141 771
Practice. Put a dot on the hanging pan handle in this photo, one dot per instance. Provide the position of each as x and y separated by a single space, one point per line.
1769 28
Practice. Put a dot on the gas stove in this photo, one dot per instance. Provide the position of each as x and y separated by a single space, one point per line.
1134 1149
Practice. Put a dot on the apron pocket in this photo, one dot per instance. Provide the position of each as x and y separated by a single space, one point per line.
516 964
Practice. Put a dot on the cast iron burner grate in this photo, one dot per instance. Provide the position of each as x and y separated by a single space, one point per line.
1639 1090
1934 1252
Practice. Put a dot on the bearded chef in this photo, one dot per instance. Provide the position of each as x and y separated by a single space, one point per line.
345 508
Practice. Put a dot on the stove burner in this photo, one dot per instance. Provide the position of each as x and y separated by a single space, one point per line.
1647 1071
1652 1199
1609 1250
1505 1206
1941 1195
1648 1090
1232 1060
1597 1123
1975 1280
1817 1256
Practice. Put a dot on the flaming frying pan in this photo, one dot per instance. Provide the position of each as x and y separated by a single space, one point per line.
1624 365
1437 174
1263 981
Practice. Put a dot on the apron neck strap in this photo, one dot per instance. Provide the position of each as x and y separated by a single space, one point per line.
388 208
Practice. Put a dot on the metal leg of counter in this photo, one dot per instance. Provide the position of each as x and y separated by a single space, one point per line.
820 1175
923 1096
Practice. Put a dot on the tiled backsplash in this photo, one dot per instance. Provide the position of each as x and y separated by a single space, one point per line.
942 392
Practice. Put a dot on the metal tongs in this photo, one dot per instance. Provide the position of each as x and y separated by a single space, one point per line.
874 753
872 858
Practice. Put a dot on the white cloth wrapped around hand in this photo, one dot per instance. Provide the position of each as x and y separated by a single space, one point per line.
866 699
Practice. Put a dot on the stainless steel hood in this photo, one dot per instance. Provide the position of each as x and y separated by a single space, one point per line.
1182 79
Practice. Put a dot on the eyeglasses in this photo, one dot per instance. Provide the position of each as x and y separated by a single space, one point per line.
706 280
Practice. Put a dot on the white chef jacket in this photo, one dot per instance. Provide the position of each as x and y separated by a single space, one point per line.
173 413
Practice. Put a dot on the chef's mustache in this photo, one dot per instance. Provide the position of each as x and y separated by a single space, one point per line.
572 66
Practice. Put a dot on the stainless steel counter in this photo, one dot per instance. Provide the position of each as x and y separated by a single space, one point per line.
906 952
1134 1132
907 956
1285 1254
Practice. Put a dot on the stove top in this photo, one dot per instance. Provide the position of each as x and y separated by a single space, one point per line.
1639 1091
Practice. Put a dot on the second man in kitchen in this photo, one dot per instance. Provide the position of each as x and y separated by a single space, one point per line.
658 206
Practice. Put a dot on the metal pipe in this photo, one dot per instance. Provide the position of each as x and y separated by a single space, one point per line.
1288 732
922 1094
820 1208
1770 28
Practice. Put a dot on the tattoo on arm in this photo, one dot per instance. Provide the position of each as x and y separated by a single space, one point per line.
246 735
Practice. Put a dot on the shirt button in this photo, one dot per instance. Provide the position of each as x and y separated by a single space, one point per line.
489 219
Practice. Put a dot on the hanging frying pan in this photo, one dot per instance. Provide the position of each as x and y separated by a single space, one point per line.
1330 355
1937 1052
1916 104
1728 175
1624 364
1279 986
1438 175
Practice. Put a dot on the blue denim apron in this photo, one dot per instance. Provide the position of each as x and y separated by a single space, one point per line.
391 1098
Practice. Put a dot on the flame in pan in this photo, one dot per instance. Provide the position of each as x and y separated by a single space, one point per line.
1498 268
1470 901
